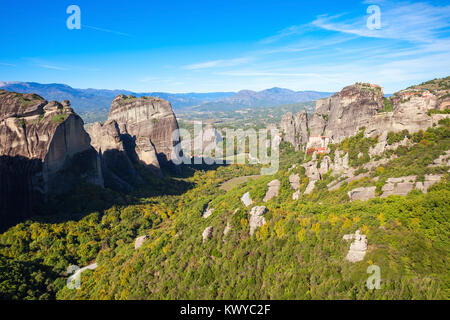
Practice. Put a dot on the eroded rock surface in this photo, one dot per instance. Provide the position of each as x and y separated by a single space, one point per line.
358 247
44 151
246 199
295 128
257 218
140 241
208 212
274 187
207 234
147 117
363 193
399 186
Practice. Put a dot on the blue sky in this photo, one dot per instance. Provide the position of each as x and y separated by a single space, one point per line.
203 46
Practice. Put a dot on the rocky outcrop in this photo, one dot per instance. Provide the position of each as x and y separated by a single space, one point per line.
295 128
207 141
362 193
257 218
342 114
362 105
147 117
140 241
208 212
294 180
358 247
44 151
207 234
138 131
227 229
442 160
310 187
430 179
246 199
116 152
274 187
399 186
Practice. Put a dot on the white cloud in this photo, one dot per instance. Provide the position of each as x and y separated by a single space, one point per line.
218 63
52 67
418 22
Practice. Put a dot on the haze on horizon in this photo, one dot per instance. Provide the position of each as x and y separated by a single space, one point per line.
226 45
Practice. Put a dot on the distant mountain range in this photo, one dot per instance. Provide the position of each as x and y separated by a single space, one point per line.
92 100
99 100
265 98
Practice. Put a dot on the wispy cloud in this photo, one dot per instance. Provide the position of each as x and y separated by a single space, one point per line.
218 63
289 31
107 30
52 67
417 22
7 64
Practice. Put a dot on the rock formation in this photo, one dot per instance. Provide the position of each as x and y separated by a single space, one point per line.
246 200
363 105
274 187
403 185
140 241
358 248
208 212
257 218
295 128
116 151
149 118
362 193
44 151
138 130
207 234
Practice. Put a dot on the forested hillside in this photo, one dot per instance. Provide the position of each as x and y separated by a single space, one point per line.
298 254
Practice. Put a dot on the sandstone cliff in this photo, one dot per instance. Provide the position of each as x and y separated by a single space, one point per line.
363 105
295 128
138 130
147 117
44 151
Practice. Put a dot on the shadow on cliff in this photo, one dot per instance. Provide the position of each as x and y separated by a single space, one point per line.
18 197
22 200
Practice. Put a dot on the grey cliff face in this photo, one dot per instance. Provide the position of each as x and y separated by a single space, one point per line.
148 117
44 151
344 113
138 130
295 128
362 105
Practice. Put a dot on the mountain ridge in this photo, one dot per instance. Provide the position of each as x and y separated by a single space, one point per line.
93 100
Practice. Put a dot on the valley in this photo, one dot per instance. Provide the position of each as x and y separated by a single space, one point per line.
358 186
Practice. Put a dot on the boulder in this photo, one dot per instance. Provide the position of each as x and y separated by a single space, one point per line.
208 212
398 186
227 229
246 200
362 193
430 179
294 180
140 241
257 218
274 187
310 187
358 247
207 234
